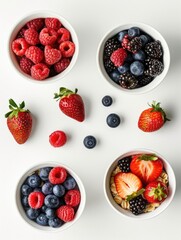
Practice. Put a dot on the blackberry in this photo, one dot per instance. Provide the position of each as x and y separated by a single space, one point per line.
154 67
111 45
134 45
144 80
154 49
137 205
124 164
109 66
128 81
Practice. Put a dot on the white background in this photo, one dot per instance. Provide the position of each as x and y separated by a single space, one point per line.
91 20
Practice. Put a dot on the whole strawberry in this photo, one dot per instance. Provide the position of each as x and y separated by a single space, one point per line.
71 104
156 192
19 121
152 118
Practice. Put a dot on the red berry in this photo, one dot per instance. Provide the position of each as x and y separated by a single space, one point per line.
31 36
52 23
35 54
57 175
40 71
72 198
36 200
67 48
25 65
61 65
52 55
63 35
48 36
57 138
118 57
19 46
65 213
36 24
21 32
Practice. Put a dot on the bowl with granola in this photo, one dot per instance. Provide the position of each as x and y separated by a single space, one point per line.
139 184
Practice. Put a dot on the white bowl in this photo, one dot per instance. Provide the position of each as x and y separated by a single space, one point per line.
21 23
127 213
47 228
155 35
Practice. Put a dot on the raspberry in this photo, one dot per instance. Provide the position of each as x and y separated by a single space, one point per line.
72 198
52 23
57 175
48 36
31 36
19 46
21 32
57 138
25 65
35 54
52 55
63 35
36 24
67 48
40 71
118 57
36 200
125 41
65 213
61 65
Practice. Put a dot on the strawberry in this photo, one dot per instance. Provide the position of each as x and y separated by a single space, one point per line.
156 192
19 121
152 118
127 184
71 104
147 167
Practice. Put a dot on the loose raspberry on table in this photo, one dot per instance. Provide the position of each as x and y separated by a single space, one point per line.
37 24
31 36
63 35
57 138
52 23
118 57
67 48
36 200
25 65
19 46
40 71
72 198
48 36
65 213
35 54
57 175
61 65
52 55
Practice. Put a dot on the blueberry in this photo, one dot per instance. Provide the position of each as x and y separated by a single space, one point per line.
32 213
140 55
145 39
124 68
50 213
107 101
55 222
26 189
24 201
129 58
34 181
113 120
44 172
115 76
134 32
43 208
70 183
51 201
137 68
47 188
90 142
58 190
42 219
121 35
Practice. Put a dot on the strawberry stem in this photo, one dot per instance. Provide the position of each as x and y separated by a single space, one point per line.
15 109
148 157
64 92
135 194
156 108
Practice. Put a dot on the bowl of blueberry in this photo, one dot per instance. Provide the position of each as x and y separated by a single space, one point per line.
43 47
50 197
134 58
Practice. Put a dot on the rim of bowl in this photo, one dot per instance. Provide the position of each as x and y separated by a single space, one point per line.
153 33
42 14
148 215
33 224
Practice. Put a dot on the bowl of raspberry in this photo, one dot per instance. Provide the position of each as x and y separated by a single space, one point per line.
139 184
134 58
43 47
50 197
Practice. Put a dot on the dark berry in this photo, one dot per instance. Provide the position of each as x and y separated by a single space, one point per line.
50 213
124 68
144 80
34 181
154 49
32 213
129 58
133 32
145 39
154 67
121 35
90 142
58 190
115 76
55 222
43 208
137 68
137 205
51 201
24 201
113 120
26 189
42 220
107 101
128 81
134 45
140 55
124 164
109 66
47 188
111 45
70 183
44 172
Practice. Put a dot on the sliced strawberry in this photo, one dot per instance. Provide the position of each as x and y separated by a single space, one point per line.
156 192
147 167
126 184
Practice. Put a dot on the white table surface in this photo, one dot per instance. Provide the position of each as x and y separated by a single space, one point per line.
91 20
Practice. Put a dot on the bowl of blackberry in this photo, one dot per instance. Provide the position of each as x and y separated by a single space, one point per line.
50 197
134 58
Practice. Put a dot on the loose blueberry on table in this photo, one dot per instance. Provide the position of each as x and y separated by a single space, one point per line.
107 101
50 196
132 58
90 141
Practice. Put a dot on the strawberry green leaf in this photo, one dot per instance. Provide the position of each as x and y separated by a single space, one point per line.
135 194
22 105
148 157
12 102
